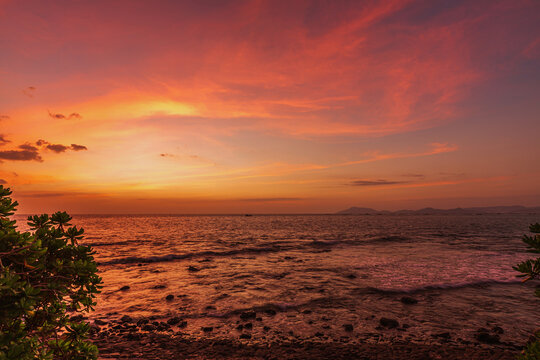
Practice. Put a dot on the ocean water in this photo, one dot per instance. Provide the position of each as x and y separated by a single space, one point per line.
318 273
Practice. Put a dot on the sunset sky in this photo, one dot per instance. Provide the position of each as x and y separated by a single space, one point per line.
269 106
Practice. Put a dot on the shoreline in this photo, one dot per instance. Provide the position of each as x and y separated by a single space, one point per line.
177 346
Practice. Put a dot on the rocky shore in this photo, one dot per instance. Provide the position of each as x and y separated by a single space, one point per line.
248 338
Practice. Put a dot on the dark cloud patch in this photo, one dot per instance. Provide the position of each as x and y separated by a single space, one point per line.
31 151
76 147
57 148
20 155
28 147
3 140
375 182
166 155
29 91
62 116
4 117
3 182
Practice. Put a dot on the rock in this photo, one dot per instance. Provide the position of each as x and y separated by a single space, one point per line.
409 300
248 326
126 319
182 324
486 338
149 327
142 321
258 319
100 322
270 312
307 312
124 288
210 307
193 268
266 328
240 327
319 334
351 276
207 329
169 297
348 327
388 323
245 336
159 287
498 330
133 336
248 315
174 320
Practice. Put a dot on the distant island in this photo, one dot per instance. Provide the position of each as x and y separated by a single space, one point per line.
516 209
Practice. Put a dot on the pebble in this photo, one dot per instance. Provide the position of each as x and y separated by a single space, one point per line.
389 323
409 300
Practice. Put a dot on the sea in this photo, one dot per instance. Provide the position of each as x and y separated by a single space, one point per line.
308 276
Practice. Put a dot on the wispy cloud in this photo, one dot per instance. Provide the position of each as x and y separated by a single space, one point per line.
60 116
376 182
3 140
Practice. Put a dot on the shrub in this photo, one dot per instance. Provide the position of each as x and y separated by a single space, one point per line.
530 269
47 281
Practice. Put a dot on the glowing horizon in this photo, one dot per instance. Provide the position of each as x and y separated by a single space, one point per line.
266 107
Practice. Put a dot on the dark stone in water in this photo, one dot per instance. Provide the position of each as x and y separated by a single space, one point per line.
142 322
193 268
208 329
270 312
245 336
149 327
124 288
348 327
248 315
307 312
409 300
351 276
173 321
159 287
169 297
100 322
389 323
210 307
266 328
248 326
240 327
486 338
126 319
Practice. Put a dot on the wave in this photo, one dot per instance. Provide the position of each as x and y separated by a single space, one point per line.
274 247
434 287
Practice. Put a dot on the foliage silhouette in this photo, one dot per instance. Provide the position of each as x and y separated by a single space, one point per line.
47 280
530 269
